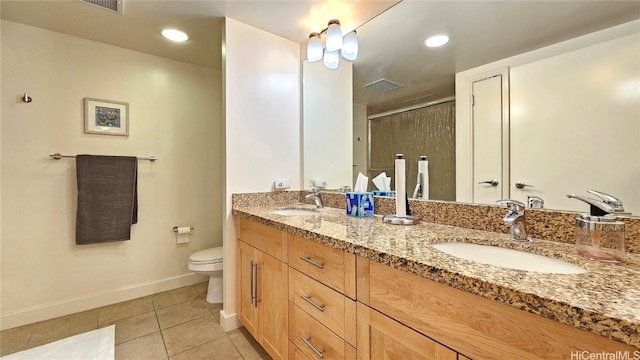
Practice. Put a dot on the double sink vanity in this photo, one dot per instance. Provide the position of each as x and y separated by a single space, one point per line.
316 283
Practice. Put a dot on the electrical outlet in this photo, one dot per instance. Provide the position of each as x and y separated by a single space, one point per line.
282 184
319 183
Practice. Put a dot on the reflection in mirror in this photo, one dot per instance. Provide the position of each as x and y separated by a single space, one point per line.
573 124
391 48
426 131
327 127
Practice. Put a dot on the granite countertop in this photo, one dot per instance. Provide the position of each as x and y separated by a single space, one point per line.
605 300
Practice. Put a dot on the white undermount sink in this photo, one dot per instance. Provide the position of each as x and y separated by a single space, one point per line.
509 258
295 211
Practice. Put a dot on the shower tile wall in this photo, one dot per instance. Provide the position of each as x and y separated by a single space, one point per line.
426 131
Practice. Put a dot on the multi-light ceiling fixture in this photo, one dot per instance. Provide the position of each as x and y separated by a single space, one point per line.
335 45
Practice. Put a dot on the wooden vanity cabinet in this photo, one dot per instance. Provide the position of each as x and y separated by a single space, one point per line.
297 297
472 325
262 285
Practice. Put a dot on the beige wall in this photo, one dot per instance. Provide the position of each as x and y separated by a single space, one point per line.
175 114
328 124
262 127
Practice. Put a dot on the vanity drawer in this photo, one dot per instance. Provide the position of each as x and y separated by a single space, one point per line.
295 353
332 267
264 238
329 307
329 345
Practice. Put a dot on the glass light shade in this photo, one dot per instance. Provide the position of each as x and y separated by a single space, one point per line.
334 36
331 59
175 35
350 46
436 40
314 48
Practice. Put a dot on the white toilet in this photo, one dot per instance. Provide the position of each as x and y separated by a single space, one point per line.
209 262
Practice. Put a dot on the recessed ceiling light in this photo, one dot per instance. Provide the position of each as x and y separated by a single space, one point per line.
436 40
175 35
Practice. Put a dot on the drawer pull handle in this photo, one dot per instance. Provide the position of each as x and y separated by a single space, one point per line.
307 341
313 303
308 259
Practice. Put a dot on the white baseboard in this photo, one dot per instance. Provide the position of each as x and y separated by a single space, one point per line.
228 321
71 306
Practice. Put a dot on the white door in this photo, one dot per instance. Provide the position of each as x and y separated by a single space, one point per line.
489 148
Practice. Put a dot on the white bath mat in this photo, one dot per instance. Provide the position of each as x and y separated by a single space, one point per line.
93 345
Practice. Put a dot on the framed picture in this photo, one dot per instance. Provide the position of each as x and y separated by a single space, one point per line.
106 117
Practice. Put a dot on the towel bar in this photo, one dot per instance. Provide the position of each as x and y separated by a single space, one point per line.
57 156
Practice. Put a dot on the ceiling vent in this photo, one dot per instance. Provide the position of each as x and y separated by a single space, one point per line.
111 5
382 85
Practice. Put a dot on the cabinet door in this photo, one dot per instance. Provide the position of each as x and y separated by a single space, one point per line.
272 300
246 272
382 338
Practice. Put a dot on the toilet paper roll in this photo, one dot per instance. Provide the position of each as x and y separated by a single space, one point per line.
423 168
401 192
184 230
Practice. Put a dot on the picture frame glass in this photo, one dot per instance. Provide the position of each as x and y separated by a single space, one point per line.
106 117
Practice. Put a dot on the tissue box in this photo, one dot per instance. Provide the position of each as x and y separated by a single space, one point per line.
359 203
391 193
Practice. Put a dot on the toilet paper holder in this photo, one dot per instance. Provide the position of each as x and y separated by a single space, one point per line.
175 229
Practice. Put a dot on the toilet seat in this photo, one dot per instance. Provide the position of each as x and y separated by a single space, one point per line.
207 260
207 256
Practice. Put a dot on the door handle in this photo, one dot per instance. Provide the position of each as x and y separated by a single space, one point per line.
255 284
252 283
521 185
492 182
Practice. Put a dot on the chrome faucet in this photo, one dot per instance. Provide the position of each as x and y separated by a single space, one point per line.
606 205
515 218
315 195
535 202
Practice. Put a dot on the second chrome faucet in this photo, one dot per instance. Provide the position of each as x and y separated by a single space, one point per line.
515 218
315 195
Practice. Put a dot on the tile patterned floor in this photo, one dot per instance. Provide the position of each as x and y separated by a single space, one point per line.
176 325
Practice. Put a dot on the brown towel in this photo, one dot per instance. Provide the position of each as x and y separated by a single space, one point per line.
107 198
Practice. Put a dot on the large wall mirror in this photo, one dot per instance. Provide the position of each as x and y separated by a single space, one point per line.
487 41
